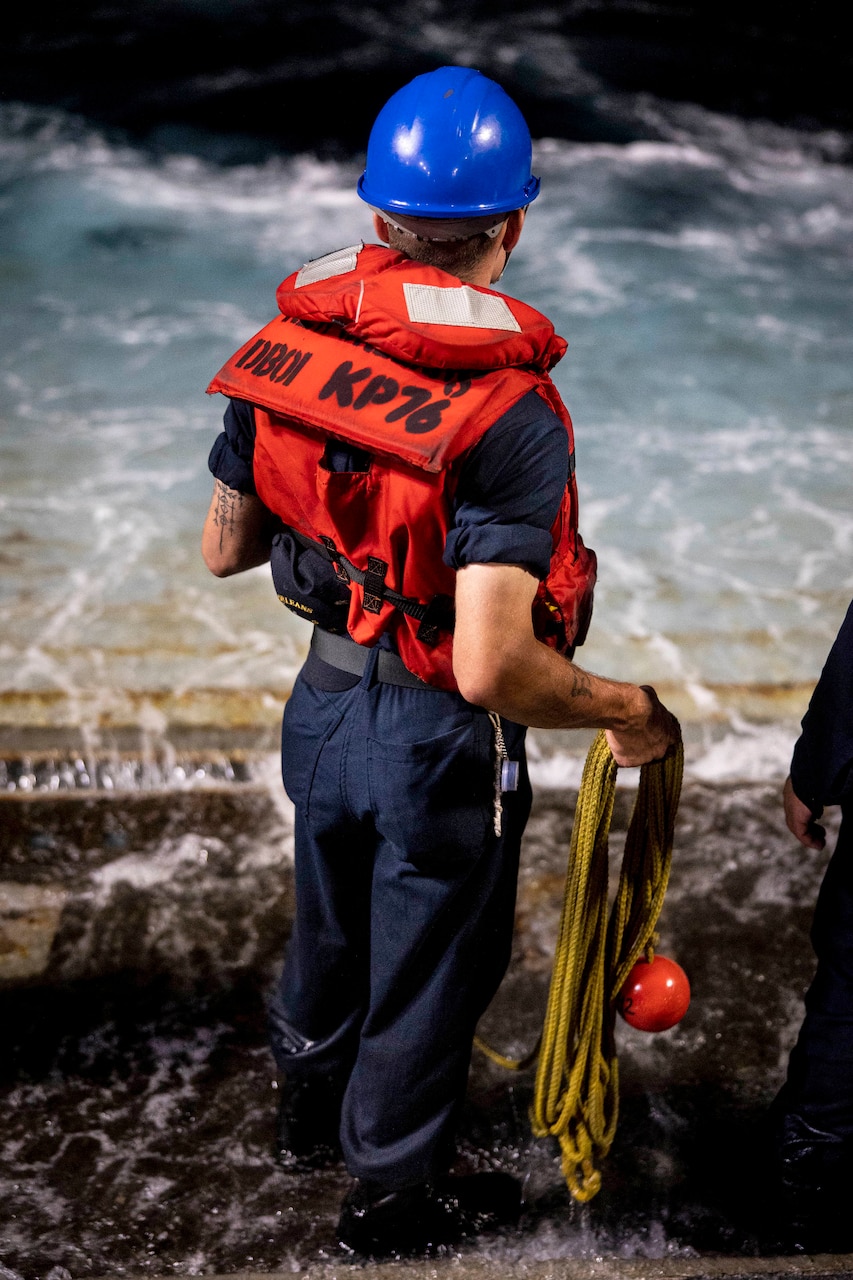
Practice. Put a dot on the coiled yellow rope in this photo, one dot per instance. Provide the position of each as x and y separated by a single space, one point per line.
576 1097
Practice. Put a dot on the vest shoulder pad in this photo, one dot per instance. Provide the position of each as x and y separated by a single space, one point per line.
418 314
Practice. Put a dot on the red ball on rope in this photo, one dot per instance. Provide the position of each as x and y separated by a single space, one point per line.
656 995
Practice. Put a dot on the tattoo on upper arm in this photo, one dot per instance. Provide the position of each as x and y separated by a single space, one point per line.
226 504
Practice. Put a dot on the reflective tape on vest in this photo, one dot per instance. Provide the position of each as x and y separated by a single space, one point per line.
428 304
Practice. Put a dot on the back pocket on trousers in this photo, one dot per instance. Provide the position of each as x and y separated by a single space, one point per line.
434 798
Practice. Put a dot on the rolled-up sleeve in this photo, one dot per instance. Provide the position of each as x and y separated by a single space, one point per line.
231 458
510 490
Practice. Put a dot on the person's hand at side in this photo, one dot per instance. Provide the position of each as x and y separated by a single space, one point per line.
800 819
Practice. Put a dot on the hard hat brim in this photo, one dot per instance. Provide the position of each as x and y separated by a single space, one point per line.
485 214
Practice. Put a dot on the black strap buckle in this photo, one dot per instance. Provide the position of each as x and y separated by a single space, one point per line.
438 617
335 557
374 584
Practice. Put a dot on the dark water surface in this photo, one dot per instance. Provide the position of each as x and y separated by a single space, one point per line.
258 74
138 1093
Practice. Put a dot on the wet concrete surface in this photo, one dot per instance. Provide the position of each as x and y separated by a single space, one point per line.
138 1093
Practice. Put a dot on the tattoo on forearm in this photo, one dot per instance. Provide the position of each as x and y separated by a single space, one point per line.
580 684
227 502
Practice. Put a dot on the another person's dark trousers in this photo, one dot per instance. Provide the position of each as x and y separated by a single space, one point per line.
819 1087
404 911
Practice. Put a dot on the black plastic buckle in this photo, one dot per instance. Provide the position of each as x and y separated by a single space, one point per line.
439 617
335 557
374 584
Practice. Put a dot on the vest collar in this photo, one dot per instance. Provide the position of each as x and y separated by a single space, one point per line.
418 314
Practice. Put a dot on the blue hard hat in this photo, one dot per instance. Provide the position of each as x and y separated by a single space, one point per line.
450 144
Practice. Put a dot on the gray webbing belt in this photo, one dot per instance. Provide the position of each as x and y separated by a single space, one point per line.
346 655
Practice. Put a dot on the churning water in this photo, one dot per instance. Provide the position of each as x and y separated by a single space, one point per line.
702 281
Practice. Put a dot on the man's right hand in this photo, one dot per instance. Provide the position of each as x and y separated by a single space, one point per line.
650 735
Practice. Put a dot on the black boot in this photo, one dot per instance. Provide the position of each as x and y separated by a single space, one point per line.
379 1222
815 1172
308 1124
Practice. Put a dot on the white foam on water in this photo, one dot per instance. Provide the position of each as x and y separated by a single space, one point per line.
556 153
555 771
756 753
702 279
143 870
736 751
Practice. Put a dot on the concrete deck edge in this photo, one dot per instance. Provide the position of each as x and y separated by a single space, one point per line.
714 1267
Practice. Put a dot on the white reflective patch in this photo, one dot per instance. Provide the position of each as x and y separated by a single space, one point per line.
430 304
332 264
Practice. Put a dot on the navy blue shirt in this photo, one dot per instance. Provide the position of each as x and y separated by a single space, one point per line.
508 496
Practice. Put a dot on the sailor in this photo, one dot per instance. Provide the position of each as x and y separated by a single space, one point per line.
394 445
813 1113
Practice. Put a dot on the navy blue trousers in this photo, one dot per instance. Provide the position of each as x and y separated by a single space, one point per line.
405 902
820 1073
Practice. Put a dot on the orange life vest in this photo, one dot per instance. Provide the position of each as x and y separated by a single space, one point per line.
403 361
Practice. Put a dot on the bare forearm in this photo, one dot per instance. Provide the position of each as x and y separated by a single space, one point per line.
533 685
500 664
237 532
